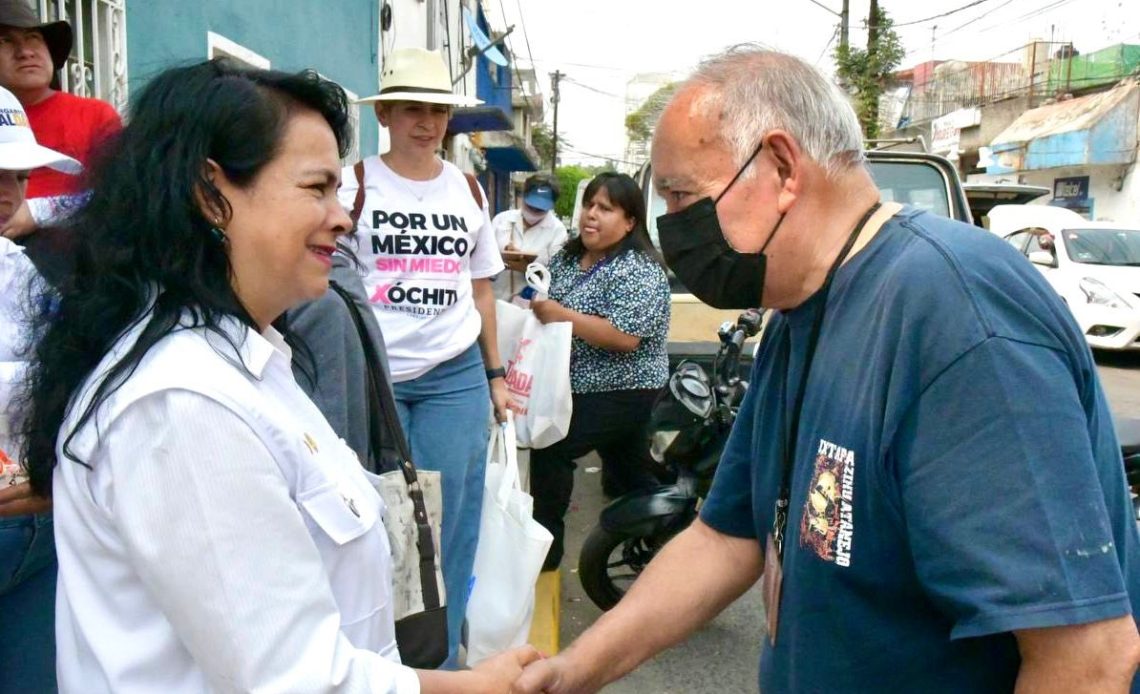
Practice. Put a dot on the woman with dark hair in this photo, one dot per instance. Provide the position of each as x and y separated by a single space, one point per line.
213 532
609 283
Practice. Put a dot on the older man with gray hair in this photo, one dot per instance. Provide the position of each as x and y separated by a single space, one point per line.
887 477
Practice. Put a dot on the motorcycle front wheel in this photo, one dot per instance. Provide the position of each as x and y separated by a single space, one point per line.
610 563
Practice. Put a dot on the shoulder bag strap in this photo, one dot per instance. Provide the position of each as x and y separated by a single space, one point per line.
381 399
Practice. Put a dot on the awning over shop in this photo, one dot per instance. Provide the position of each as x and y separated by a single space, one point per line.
1087 131
510 159
479 118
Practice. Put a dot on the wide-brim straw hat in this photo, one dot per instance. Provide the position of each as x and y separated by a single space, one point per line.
57 35
417 74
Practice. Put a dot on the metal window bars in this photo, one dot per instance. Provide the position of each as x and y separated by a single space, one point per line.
98 63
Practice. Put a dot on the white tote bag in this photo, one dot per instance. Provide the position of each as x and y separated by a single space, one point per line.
537 357
512 547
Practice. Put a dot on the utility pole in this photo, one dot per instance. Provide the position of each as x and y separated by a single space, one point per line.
555 77
844 24
873 29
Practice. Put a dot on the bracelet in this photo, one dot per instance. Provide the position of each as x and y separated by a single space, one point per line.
498 372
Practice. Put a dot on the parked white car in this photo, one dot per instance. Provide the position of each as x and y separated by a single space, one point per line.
1094 266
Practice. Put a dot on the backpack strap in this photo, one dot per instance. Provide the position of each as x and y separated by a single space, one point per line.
474 186
358 202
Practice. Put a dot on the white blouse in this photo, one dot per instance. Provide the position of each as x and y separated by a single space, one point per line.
16 277
219 536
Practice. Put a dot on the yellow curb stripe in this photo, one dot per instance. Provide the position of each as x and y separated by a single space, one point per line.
547 612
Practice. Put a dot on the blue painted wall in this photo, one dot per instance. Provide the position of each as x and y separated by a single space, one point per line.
338 39
493 83
1111 140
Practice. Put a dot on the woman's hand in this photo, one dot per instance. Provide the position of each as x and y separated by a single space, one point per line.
495 675
20 500
549 311
498 673
20 224
499 398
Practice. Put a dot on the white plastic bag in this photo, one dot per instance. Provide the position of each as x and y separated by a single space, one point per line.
512 547
537 358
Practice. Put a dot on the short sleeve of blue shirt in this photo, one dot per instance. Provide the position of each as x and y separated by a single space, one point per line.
639 300
1003 506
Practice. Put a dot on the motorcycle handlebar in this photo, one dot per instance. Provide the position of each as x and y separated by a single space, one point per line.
732 343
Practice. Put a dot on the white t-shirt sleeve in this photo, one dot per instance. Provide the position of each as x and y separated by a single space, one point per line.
502 225
208 521
557 241
17 277
485 258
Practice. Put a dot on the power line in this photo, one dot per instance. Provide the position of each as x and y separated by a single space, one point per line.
1005 23
975 3
829 42
514 58
975 19
1042 10
599 156
526 36
593 89
1002 24
820 4
591 66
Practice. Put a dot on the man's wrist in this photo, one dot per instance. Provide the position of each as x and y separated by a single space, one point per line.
497 372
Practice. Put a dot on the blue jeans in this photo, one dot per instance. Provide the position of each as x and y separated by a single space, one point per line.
27 605
445 414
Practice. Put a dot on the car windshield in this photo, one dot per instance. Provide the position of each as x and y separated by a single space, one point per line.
912 183
1103 246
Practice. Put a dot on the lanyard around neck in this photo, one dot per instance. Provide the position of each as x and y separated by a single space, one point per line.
780 520
587 274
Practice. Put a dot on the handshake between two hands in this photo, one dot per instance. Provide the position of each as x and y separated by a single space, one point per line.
524 671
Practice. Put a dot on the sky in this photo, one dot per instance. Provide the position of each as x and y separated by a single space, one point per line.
601 44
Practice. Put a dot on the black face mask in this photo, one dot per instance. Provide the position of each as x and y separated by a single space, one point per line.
696 251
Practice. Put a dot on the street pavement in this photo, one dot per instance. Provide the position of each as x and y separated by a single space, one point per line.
723 657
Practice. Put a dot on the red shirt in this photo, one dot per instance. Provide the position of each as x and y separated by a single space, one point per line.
71 125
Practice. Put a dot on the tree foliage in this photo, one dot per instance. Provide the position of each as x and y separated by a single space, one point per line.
568 178
640 123
865 72
542 138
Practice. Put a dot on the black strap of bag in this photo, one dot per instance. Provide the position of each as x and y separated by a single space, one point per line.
384 425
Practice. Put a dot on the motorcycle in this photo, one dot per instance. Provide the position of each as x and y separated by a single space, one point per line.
688 429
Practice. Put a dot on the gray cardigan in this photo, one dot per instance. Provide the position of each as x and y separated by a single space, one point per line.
340 385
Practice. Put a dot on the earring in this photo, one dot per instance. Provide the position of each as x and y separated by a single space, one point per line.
216 230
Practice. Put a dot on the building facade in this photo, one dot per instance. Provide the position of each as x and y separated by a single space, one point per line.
120 44
1044 115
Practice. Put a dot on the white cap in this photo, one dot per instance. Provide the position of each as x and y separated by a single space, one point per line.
18 148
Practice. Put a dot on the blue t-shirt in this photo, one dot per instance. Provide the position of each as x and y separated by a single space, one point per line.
957 475
631 291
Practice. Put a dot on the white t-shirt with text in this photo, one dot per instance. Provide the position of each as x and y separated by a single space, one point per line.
421 244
